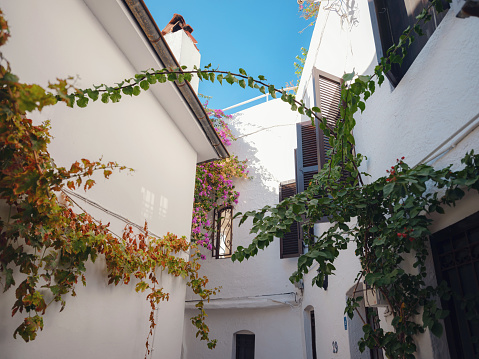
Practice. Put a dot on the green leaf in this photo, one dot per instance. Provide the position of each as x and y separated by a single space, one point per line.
364 78
105 98
388 189
136 90
128 90
161 78
242 72
151 79
362 106
9 281
348 76
93 94
437 329
115 97
242 83
145 85
220 78
82 102
229 78
272 91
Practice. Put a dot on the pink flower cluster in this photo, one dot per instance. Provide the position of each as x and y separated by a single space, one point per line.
214 184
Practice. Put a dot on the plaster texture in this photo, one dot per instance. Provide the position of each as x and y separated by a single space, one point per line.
253 292
272 327
185 52
53 39
436 97
270 155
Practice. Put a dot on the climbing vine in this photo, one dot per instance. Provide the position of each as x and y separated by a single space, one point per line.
387 220
44 243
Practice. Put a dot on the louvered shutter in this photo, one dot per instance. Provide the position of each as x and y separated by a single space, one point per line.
327 89
291 244
306 155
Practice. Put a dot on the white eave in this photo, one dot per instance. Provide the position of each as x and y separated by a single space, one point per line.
128 23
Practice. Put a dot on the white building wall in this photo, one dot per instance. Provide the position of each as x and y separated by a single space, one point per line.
277 332
53 39
247 285
436 97
185 52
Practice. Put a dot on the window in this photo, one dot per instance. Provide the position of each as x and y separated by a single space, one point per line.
244 346
455 250
223 232
311 153
310 332
291 244
313 334
393 17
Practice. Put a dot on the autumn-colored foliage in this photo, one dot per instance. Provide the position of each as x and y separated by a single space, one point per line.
44 243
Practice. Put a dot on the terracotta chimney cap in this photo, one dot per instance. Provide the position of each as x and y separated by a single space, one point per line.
177 23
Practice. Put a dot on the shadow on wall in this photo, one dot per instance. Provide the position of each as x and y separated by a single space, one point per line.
262 188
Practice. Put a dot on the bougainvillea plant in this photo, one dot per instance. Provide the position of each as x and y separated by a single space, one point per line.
214 186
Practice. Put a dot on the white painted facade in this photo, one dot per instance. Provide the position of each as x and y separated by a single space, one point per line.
437 96
256 294
185 52
155 133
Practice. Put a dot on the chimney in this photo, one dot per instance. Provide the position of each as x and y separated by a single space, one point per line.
183 45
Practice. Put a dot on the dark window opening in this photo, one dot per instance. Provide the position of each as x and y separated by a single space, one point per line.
244 346
372 319
223 232
393 17
455 251
313 334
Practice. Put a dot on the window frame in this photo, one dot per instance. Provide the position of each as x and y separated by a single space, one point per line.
251 343
397 72
219 237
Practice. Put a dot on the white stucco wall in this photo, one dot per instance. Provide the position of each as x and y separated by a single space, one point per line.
185 52
53 39
329 306
270 155
277 332
436 97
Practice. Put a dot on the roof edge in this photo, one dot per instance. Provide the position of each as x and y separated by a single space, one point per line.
149 27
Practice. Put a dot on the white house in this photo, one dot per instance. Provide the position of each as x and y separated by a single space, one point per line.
162 134
426 111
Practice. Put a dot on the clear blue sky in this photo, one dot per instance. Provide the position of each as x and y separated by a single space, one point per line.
260 36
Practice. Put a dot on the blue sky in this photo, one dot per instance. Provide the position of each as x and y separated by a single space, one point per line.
260 36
